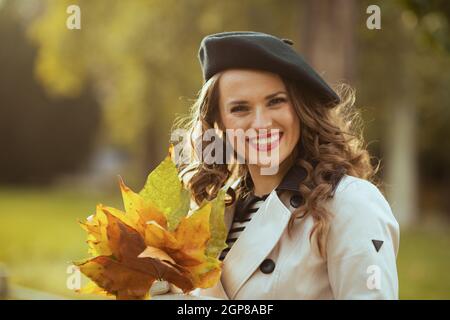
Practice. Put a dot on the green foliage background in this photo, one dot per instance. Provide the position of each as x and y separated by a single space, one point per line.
132 69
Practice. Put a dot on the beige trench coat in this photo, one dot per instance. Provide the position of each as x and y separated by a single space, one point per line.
362 247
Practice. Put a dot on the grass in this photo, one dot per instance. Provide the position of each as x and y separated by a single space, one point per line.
40 236
424 264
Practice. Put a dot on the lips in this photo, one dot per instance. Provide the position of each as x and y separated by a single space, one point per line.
266 142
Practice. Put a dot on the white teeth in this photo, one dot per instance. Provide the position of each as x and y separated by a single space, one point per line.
263 141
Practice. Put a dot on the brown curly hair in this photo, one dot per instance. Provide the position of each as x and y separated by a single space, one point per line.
330 146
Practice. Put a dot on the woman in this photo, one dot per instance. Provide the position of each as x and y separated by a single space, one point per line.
317 227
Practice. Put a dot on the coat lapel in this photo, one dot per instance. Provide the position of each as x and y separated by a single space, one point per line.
259 238
254 245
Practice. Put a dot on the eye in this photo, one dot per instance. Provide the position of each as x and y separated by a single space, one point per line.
277 101
238 108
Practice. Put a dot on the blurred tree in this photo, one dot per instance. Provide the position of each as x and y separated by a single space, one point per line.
141 56
40 137
401 81
328 37
433 18
430 23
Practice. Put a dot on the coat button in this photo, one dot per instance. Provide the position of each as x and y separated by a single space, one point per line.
267 266
296 200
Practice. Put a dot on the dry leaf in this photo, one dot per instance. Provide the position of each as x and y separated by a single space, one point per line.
154 238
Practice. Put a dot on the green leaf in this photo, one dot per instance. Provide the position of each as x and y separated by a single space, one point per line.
217 227
165 189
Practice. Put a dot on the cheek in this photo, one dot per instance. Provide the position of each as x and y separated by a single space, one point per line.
233 122
292 127
291 124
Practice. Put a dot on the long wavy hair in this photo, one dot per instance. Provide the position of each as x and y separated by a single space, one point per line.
331 145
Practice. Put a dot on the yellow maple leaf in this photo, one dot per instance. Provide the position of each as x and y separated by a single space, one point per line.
155 237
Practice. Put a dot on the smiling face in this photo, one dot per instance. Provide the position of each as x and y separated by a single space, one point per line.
258 103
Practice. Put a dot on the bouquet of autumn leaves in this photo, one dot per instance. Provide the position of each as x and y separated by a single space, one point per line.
156 237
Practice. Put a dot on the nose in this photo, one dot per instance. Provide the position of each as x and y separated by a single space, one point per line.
262 120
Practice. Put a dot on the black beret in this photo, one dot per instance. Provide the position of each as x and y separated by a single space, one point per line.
257 50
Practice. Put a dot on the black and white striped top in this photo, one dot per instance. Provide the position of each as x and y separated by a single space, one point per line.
240 221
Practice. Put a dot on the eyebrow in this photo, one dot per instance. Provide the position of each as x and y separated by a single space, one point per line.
266 98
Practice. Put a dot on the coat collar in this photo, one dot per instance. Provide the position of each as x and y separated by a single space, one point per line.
251 248
292 179
290 182
262 232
